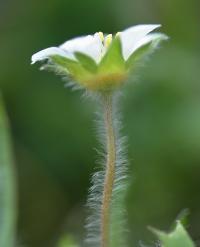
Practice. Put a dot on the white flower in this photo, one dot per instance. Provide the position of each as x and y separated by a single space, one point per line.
93 45
100 58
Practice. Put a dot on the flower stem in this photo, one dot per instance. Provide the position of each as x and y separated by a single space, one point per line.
110 169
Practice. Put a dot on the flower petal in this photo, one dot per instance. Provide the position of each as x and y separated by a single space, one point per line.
147 39
90 45
143 48
131 36
47 53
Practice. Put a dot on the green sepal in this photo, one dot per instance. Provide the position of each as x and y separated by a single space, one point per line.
67 64
87 62
113 61
144 50
177 238
71 67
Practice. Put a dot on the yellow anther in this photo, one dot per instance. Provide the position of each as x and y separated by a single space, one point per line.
101 36
117 34
108 40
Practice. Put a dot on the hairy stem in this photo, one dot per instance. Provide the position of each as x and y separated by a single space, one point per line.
110 169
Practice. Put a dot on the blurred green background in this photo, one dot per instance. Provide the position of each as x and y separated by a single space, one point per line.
53 131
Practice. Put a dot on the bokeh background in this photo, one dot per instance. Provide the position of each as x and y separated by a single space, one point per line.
53 129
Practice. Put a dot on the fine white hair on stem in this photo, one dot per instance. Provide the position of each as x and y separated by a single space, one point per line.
117 223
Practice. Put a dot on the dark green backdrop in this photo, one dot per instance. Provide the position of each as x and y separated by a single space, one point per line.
54 134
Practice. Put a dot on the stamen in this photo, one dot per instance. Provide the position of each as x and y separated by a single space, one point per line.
108 40
101 36
117 34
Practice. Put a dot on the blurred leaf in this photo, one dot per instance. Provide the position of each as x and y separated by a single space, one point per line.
7 185
177 238
182 218
67 241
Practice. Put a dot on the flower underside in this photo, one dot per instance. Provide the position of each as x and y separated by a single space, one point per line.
101 62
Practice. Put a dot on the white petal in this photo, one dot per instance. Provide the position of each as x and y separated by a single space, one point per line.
90 45
46 53
131 36
147 39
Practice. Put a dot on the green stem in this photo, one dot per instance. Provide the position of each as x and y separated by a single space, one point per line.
110 170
